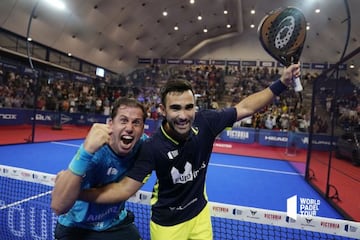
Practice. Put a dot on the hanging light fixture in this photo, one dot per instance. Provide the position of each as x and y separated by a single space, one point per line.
165 13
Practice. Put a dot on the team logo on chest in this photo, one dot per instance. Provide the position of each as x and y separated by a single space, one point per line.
184 177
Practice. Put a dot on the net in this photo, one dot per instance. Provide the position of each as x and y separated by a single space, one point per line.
25 213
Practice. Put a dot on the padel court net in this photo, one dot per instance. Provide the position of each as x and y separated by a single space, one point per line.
25 213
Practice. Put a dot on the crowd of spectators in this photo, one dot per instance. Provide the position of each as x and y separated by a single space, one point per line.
214 87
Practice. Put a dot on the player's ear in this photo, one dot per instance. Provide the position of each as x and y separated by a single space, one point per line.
162 109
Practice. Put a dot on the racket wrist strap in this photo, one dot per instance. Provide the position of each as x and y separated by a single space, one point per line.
277 87
80 162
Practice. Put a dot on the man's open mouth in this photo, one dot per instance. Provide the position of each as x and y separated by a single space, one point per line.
127 139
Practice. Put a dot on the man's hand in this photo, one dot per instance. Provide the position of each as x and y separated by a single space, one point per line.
98 135
290 73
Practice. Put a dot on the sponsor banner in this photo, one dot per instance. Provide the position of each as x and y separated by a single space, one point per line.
235 134
248 63
188 61
144 60
218 62
202 62
336 227
173 61
159 61
321 142
340 67
306 65
267 64
273 138
9 116
10 67
85 119
320 66
60 75
141 197
233 63
81 78
27 175
241 135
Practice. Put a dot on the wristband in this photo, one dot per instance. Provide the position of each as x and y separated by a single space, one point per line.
277 87
80 162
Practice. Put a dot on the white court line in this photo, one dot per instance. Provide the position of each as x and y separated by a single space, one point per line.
66 144
214 164
256 169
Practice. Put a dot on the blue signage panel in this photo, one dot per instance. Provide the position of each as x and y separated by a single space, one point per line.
320 142
159 61
306 65
340 67
9 116
248 63
273 138
267 64
320 66
188 61
202 62
173 61
218 62
232 63
241 135
144 60
81 78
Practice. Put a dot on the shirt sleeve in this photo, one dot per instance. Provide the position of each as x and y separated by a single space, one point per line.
144 163
218 120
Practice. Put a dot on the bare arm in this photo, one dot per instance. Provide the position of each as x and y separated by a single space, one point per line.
112 193
65 192
256 101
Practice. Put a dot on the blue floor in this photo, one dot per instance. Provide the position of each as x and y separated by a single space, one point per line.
238 180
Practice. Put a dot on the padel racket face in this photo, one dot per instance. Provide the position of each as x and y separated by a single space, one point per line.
282 34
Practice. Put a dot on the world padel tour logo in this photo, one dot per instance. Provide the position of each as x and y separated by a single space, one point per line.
302 206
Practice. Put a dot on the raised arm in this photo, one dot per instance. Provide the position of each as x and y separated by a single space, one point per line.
256 101
68 183
112 193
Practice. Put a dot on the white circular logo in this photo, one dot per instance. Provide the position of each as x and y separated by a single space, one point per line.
284 34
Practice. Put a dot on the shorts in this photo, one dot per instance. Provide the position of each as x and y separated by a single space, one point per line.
125 230
198 228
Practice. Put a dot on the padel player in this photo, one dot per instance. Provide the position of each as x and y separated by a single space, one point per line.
179 152
105 156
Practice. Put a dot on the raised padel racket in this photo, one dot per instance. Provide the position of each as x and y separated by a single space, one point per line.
282 34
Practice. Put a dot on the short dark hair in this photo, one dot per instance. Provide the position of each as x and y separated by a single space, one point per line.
177 85
129 102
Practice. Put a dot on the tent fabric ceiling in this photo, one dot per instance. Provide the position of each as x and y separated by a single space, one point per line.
113 34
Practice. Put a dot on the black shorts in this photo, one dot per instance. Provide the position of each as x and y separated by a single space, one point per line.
126 230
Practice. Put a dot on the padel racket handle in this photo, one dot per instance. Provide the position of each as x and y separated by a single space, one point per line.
297 85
